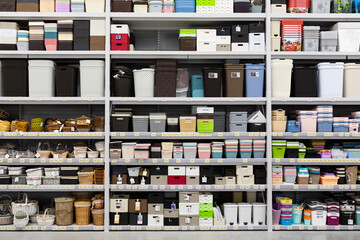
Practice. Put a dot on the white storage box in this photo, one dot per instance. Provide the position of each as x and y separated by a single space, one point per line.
348 36
275 44
206 35
244 214
192 170
120 29
257 42
188 209
140 8
278 8
259 214
223 40
275 28
95 5
176 170
119 203
351 80
41 78
281 77
240 47
92 78
205 9
155 220
230 214
144 82
97 27
206 222
330 79
244 170
205 198
206 46
245 179
230 180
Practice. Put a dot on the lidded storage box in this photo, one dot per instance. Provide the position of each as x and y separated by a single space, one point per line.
41 78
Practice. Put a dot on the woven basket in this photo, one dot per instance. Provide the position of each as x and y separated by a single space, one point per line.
20 126
64 210
99 175
45 219
86 175
99 123
4 126
98 216
82 212
21 219
98 201
5 204
6 219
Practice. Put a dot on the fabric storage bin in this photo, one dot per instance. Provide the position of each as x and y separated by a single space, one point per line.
351 83
281 77
144 81
140 123
165 78
95 5
41 73
66 81
122 6
17 71
330 79
254 80
187 43
92 78
8 6
304 82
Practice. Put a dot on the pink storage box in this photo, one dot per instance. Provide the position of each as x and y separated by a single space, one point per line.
51 44
308 124
141 155
168 9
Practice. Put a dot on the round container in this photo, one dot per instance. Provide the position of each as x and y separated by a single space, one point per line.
82 212
144 82
64 209
98 217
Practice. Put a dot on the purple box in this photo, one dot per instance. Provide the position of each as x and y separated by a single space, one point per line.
242 7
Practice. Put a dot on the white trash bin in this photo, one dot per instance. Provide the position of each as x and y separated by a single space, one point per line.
92 78
351 80
41 78
259 214
330 79
281 77
244 214
144 82
230 214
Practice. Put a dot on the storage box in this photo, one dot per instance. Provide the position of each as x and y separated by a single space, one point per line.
189 197
188 221
156 208
119 203
138 206
138 219
159 179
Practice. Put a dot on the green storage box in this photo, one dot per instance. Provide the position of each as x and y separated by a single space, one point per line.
206 214
205 206
278 149
206 3
205 126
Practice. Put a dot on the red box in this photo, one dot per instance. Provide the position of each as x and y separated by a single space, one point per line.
176 180
120 42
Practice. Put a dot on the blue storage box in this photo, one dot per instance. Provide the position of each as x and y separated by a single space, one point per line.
216 154
286 222
259 154
340 128
254 80
293 126
230 154
197 86
353 153
324 126
246 154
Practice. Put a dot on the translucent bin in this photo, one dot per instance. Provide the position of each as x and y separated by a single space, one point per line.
351 80
330 79
281 77
144 82
92 78
41 78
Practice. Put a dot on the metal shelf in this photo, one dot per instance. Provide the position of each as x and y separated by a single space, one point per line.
36 227
316 135
52 161
313 187
51 100
318 17
189 188
185 135
185 228
195 161
316 55
315 228
315 100
187 101
52 135
53 54
185 55
49 15
316 161
51 188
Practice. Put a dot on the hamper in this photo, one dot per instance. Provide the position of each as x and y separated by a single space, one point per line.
82 212
64 209
98 216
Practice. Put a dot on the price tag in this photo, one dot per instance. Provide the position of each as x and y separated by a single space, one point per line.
220 134
289 228
277 186
321 228
220 160
192 161
311 134
153 134
178 160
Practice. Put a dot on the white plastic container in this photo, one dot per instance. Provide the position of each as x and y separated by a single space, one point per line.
189 209
155 220
240 47
320 6
330 79
351 80
348 36
206 35
92 78
206 46
144 82
95 5
244 214
259 214
257 42
230 213
281 77
41 78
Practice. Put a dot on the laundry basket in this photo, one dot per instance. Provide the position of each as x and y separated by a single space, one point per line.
82 212
144 82
98 216
64 210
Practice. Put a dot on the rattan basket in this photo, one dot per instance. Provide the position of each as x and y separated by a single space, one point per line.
99 175
6 219
98 201
86 175
82 212
64 210
98 216
45 219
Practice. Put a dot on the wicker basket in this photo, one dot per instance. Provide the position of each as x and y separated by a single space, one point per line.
82 212
83 124
86 175
45 219
51 180
5 204
98 216
20 126
98 201
44 153
21 219
6 219
99 176
64 210
99 123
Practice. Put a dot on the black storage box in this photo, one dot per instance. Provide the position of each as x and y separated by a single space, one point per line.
120 122
168 203
257 27
159 170
134 218
69 180
155 197
81 35
213 79
69 171
14 75
66 81
256 127
292 153
207 179
171 221
7 6
304 81
123 218
347 218
119 170
206 171
5 179
230 172
278 1
223 31
236 29
240 38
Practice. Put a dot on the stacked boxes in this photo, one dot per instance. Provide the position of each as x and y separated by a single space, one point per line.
62 5
278 148
169 6
245 148
8 35
77 5
318 213
51 36
119 210
347 212
289 174
141 150
206 40
140 6
240 38
217 149
23 40
138 211
206 213
155 6
333 212
171 209
185 6
231 148
308 120
155 209
178 150
66 37
120 37
237 121
205 6
277 175
325 118
192 175
314 175
190 149
340 124
187 40
27 5
286 210
353 125
223 39
279 120
259 148
81 35
97 35
207 175
166 150
292 149
275 36
36 35
328 41
204 150
47 5
205 119
159 175
176 175
311 38
224 6
257 37
302 175
165 78
278 6
245 175
291 35
189 209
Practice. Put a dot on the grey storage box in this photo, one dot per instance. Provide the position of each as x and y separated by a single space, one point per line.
157 122
18 180
219 121
158 179
140 123
236 117
155 8
238 127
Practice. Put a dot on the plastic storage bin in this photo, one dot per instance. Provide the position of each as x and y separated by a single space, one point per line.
304 82
330 79
66 81
351 80
17 71
41 78
92 78
343 6
245 210
259 214
144 82
254 80
281 77
320 6
95 5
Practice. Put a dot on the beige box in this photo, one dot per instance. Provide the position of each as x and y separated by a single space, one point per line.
278 8
189 221
192 180
230 180
158 179
188 197
275 44
220 181
171 213
244 170
245 179
275 28
219 221
156 208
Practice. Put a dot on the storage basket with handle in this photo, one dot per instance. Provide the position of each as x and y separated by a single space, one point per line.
29 206
83 124
82 212
15 171
45 219
60 152
21 218
98 201
99 124
44 152
86 175
92 154
80 152
98 216
52 172
51 180
64 210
